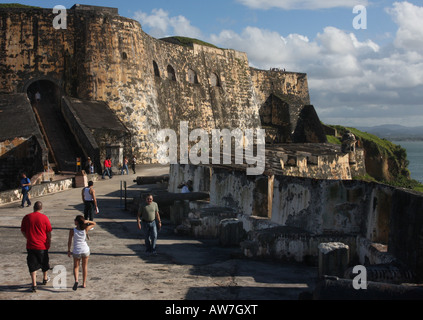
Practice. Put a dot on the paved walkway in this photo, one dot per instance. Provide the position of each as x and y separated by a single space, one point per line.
184 269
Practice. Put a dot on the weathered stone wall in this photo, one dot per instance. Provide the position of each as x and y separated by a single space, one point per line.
18 156
318 161
199 175
319 167
246 194
281 83
150 84
285 110
328 206
30 48
406 229
338 209
15 195
113 67
290 244
380 223
113 62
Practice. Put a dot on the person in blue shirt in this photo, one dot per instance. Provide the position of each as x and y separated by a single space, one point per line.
25 185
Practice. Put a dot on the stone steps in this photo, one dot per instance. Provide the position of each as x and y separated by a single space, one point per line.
63 146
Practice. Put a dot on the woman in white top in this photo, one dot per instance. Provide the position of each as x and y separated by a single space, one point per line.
81 250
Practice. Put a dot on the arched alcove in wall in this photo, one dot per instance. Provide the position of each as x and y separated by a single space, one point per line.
171 74
214 80
48 90
192 76
156 69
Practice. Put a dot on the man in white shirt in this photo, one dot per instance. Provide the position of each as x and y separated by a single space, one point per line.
90 201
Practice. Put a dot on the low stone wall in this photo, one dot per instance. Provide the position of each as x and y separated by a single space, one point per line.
248 195
290 244
40 190
205 222
199 175
380 224
317 160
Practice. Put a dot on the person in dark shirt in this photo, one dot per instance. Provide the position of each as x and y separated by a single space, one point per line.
25 185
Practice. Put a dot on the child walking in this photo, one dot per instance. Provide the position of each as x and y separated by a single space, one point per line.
81 250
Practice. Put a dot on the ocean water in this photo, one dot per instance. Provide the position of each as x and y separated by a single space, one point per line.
415 156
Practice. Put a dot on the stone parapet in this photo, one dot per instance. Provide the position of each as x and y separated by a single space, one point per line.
334 259
289 244
205 222
37 190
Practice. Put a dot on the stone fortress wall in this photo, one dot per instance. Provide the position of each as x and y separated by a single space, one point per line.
148 83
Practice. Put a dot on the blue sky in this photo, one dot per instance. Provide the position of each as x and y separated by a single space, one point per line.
357 77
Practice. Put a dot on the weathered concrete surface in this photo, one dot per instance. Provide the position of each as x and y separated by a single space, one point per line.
184 269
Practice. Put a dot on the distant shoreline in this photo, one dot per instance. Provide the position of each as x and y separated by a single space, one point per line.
414 150
395 132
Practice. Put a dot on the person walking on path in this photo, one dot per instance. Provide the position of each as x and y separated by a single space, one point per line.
81 250
36 228
107 167
148 214
89 166
125 166
133 164
25 185
90 201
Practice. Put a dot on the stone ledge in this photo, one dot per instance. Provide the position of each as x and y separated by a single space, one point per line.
43 189
289 244
205 222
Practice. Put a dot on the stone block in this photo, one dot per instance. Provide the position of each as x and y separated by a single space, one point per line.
231 232
179 211
333 259
81 180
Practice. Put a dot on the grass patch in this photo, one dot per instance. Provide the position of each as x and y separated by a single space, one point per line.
333 140
188 42
17 5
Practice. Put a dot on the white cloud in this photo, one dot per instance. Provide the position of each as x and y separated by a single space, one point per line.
161 25
350 80
336 41
265 48
333 54
409 19
301 4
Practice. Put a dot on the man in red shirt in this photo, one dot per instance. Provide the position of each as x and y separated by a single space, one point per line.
107 167
36 228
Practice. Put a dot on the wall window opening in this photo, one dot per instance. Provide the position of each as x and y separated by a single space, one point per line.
156 69
192 77
214 80
171 75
